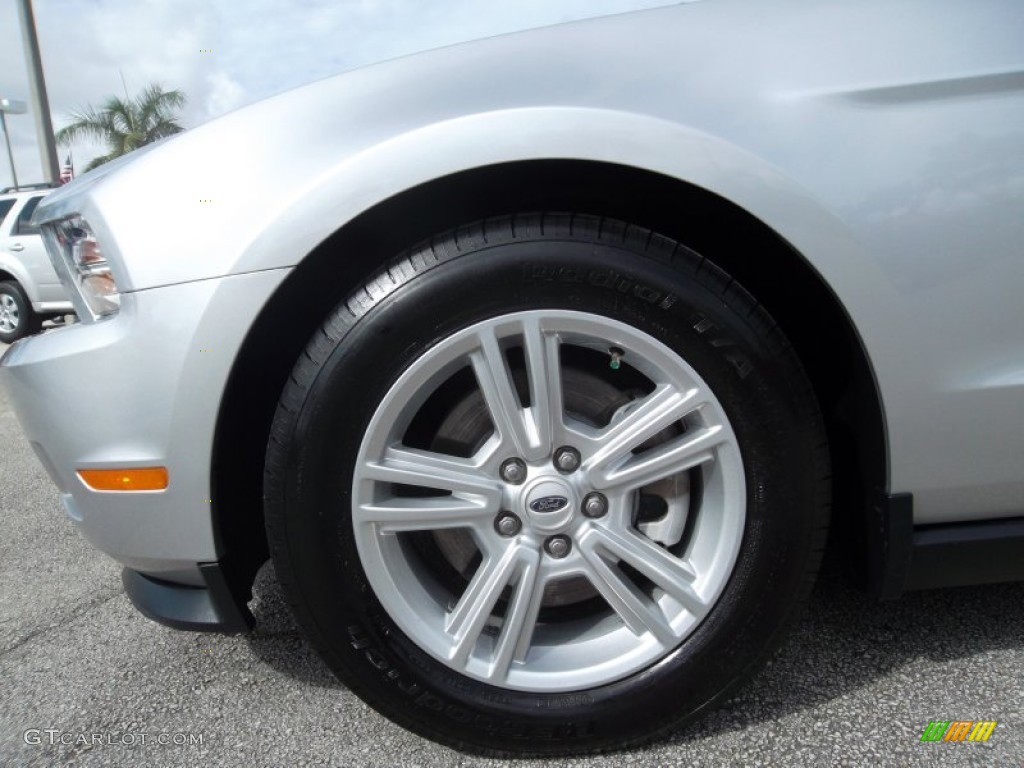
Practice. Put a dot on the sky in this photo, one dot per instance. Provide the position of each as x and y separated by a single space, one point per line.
93 49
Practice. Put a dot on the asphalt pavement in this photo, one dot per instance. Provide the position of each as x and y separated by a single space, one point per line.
87 681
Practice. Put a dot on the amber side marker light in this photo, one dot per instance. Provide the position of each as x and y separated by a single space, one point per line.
132 479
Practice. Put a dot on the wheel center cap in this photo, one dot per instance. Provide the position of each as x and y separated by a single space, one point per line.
549 504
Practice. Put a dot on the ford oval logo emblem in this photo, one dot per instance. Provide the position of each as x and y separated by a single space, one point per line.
548 504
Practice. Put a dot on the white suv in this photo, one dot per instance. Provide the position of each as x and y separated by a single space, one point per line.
29 288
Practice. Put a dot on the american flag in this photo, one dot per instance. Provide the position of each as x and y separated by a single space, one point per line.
67 173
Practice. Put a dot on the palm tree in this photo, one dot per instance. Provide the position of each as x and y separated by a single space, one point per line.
126 124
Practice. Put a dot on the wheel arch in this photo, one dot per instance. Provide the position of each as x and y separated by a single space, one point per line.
9 273
809 312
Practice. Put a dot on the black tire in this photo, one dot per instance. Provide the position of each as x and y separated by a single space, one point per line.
553 262
17 318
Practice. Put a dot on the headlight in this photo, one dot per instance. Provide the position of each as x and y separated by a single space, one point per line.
80 263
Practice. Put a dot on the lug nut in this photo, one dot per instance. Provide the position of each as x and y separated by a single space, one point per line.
558 546
595 504
513 471
567 459
507 524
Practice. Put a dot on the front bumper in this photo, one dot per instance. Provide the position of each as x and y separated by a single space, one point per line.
212 608
142 388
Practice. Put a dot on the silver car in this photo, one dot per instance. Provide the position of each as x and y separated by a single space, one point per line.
541 366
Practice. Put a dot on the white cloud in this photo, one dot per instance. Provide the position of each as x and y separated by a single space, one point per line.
223 94
259 47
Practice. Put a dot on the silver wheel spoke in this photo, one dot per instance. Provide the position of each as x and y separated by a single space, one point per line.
396 515
667 572
521 617
685 452
475 498
498 390
659 410
528 432
411 466
468 618
637 611
545 375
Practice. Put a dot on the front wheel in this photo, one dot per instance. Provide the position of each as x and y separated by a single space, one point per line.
547 484
17 318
